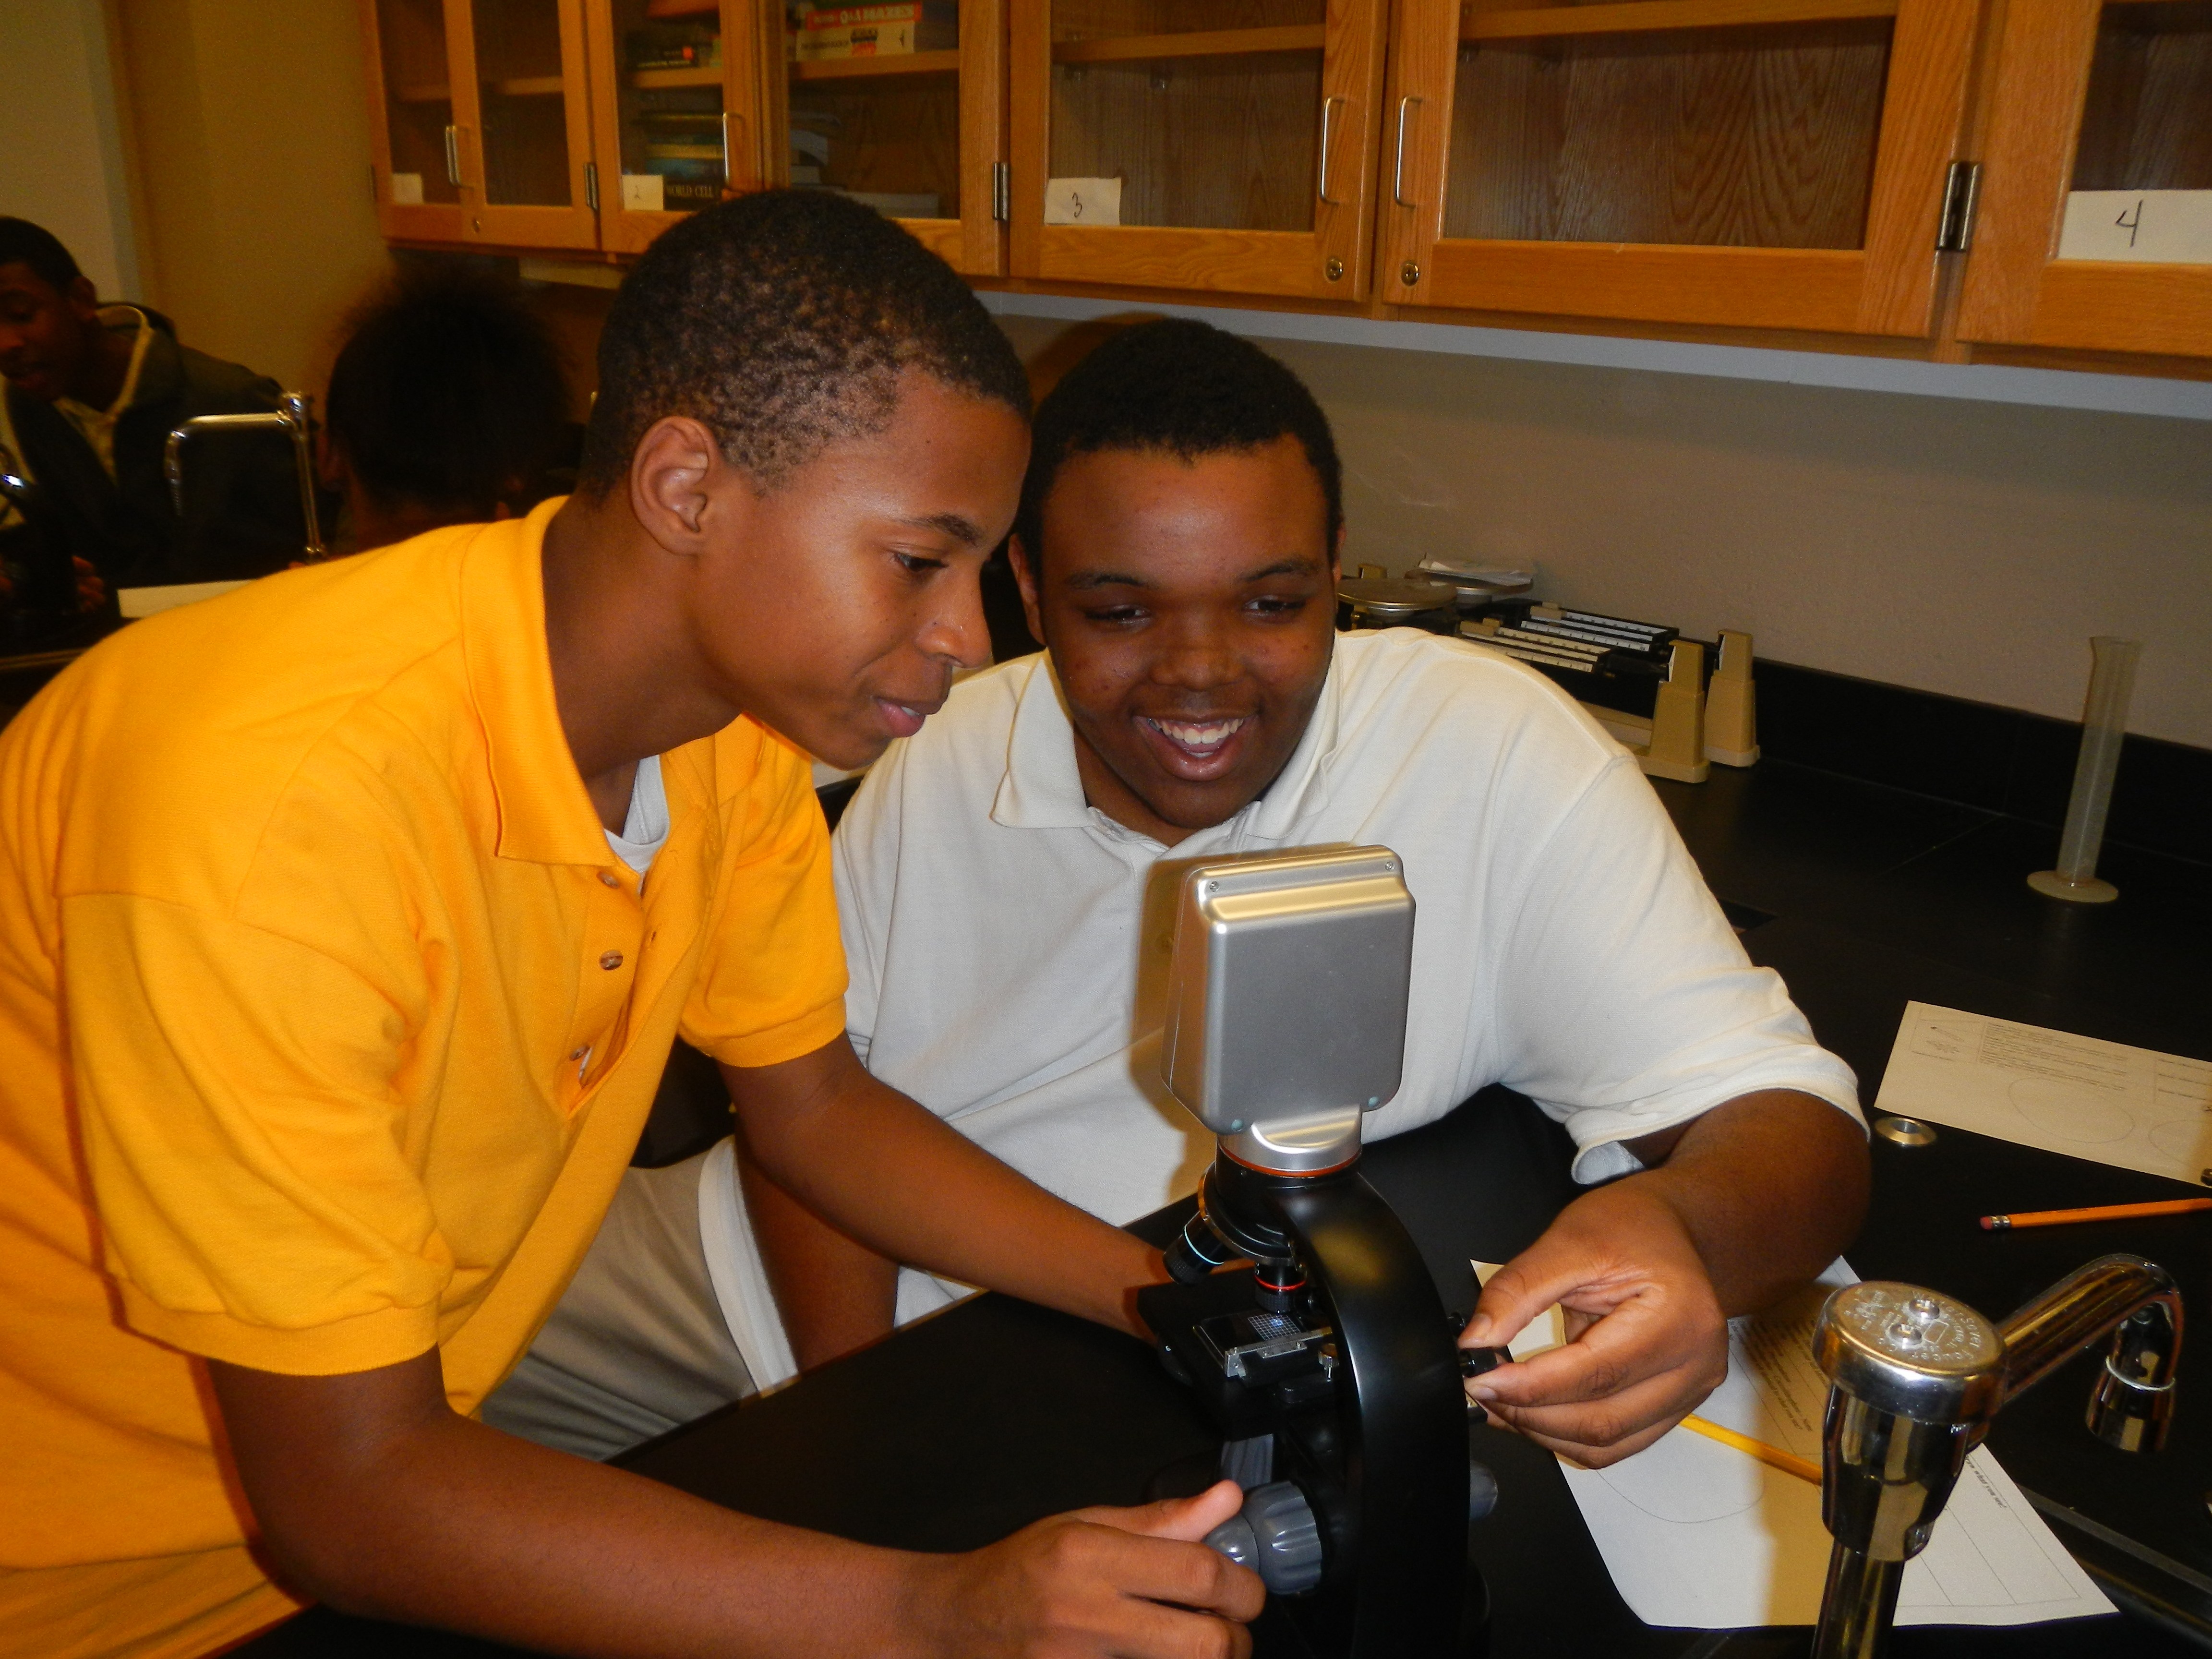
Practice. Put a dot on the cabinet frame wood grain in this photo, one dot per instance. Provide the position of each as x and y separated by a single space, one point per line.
2017 291
1888 286
1294 262
399 221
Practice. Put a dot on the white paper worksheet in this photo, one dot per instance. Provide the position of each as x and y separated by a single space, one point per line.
1697 1534
2134 1108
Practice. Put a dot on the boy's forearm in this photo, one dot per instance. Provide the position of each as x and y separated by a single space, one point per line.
1770 1187
835 1294
894 1176
440 1521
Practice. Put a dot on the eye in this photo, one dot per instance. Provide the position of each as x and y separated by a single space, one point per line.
918 564
1115 616
1279 605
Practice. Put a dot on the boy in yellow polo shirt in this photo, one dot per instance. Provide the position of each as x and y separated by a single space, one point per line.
330 1012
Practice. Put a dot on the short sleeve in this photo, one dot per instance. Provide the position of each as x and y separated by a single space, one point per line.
1624 1001
771 984
243 1138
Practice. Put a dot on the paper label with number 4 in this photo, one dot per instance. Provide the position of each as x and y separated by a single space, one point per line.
2146 227
1083 200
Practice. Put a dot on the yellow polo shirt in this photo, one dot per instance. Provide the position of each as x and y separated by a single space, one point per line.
328 1023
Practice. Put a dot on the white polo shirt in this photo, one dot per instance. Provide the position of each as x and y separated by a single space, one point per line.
1008 943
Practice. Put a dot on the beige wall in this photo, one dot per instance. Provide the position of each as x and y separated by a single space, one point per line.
251 129
61 155
1961 547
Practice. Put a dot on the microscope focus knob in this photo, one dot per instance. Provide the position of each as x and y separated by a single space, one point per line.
1275 1534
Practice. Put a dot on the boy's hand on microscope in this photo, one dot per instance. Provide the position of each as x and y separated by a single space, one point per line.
1132 1583
1646 1338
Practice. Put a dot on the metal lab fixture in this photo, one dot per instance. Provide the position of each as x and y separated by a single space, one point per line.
295 415
1915 1378
1329 1367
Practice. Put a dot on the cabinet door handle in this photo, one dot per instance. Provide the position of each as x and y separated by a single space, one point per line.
1398 163
729 177
453 156
1327 114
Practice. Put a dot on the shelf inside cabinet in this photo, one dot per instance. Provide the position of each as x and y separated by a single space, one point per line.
846 69
695 75
529 86
1197 43
1657 16
423 92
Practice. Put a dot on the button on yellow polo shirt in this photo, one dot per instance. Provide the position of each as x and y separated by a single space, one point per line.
328 1023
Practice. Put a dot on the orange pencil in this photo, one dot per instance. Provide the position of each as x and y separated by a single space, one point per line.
2005 1223
1789 1462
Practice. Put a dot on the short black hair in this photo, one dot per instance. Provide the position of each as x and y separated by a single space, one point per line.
448 393
781 321
1180 387
24 243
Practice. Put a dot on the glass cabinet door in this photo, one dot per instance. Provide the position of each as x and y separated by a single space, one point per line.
2096 227
678 118
525 120
898 105
415 144
1769 162
1196 144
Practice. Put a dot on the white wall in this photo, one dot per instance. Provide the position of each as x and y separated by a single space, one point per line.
1969 548
62 151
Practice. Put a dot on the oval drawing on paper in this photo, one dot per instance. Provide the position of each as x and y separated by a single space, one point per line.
2178 1137
1686 1479
2064 1111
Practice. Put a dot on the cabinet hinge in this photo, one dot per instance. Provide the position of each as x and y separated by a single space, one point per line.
592 185
1962 189
1002 191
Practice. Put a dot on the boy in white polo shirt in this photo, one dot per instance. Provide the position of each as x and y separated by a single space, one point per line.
1004 878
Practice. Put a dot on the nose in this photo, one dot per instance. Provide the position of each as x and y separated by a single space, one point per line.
1196 656
956 629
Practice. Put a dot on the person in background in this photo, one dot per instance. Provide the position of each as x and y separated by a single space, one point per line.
93 393
448 404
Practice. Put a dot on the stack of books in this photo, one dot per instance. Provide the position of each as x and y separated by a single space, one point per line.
899 28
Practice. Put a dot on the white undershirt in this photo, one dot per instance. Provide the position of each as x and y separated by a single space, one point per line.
645 831
1007 944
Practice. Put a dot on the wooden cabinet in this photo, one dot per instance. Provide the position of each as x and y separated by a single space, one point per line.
1766 163
1234 141
2097 111
597 123
483 121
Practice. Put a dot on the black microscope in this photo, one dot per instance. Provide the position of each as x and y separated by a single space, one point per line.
1331 1366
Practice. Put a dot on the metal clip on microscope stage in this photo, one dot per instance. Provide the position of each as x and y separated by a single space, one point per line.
1330 1368
1914 1379
294 415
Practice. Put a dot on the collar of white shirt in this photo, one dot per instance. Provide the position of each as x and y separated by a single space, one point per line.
1042 790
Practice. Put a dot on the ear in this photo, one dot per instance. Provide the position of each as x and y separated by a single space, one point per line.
331 469
1025 578
83 299
1336 554
673 476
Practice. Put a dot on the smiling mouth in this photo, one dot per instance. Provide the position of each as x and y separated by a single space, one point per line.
1199 739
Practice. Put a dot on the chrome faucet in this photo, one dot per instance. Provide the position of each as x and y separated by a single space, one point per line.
293 414
1914 1379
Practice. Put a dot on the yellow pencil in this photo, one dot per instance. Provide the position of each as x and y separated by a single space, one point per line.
1773 1456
